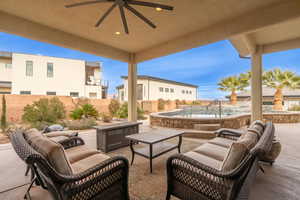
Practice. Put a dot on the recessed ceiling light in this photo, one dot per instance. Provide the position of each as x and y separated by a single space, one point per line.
117 33
158 9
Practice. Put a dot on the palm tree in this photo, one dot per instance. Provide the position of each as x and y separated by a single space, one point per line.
279 80
233 84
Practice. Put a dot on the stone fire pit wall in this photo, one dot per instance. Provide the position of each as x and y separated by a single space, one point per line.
235 121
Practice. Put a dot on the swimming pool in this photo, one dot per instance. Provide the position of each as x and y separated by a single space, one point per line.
214 111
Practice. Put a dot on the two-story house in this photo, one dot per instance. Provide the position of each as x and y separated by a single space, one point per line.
44 75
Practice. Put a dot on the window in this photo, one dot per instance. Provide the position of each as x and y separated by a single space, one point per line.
74 94
161 89
49 70
190 92
183 91
93 94
186 92
51 93
29 68
8 65
25 92
166 89
172 90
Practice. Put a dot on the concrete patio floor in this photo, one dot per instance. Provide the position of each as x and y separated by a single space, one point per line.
280 182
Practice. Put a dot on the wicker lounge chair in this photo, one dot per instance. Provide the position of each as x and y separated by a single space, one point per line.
56 135
214 171
70 170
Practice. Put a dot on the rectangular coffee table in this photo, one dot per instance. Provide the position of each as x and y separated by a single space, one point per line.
157 144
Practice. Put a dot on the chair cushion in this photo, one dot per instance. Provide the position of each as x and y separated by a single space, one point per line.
216 164
88 162
211 150
32 133
61 133
224 142
77 153
53 152
257 127
235 154
249 139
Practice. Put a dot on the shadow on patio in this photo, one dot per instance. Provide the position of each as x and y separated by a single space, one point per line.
279 182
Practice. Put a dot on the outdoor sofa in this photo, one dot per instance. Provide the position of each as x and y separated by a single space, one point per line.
221 169
70 170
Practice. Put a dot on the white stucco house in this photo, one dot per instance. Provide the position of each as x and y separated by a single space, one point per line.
43 75
154 88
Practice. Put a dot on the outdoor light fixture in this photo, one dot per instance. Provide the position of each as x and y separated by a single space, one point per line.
124 4
117 33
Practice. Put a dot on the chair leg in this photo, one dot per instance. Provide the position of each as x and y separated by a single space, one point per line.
168 197
27 194
27 170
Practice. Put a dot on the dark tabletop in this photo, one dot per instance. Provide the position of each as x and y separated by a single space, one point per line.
117 125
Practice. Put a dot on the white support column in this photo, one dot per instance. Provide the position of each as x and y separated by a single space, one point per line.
256 85
132 85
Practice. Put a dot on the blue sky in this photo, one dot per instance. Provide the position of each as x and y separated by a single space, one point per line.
203 66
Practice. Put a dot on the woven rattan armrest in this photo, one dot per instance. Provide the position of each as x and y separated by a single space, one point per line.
108 165
223 132
71 142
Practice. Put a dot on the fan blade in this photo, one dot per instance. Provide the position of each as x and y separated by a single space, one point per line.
123 19
149 4
86 3
138 14
105 14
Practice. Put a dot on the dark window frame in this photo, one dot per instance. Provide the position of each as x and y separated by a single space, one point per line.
49 93
23 92
27 71
50 74
72 94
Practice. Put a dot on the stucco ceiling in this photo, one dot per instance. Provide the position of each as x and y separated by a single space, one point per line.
189 16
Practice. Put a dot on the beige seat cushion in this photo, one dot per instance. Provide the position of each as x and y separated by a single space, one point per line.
88 162
216 164
235 154
249 139
67 133
211 150
53 152
58 138
224 142
79 152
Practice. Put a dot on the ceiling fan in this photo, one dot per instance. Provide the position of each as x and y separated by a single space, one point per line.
124 4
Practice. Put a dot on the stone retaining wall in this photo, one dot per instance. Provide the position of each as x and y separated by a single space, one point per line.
236 121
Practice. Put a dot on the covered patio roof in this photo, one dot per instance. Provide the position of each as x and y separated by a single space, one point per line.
254 27
192 23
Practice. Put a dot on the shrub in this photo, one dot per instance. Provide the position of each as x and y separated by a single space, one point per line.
76 113
44 112
113 107
84 111
81 124
3 122
122 113
294 108
161 104
106 117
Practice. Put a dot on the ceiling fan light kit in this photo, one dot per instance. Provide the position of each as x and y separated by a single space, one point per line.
122 5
